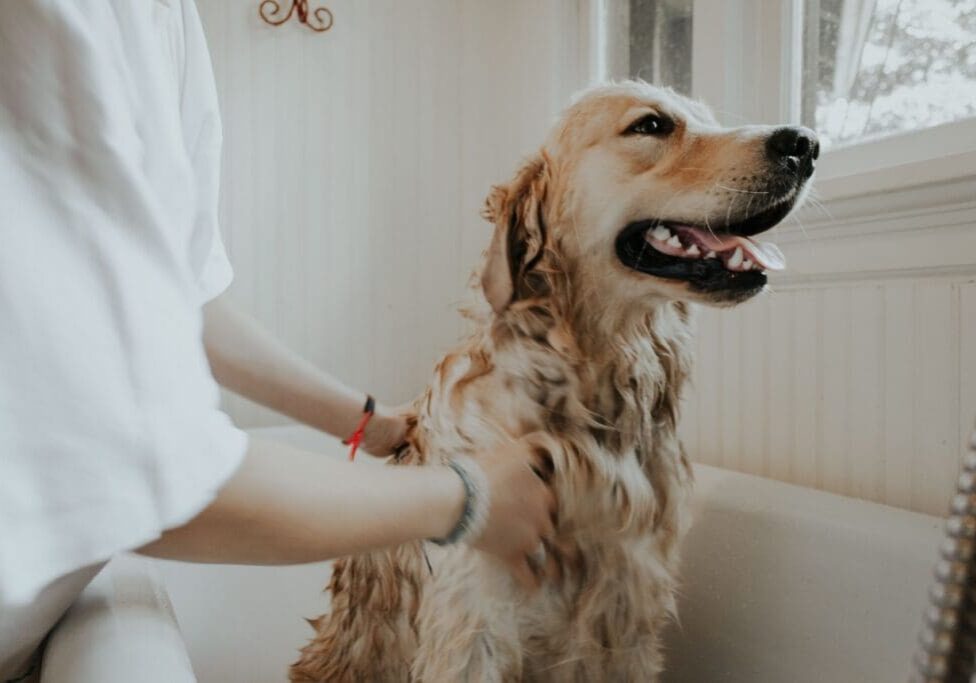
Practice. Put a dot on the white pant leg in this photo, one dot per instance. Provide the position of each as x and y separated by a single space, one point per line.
24 627
121 629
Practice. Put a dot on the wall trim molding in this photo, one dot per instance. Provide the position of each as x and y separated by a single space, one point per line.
857 277
942 215
937 155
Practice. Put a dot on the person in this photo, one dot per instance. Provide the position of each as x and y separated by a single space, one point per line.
114 333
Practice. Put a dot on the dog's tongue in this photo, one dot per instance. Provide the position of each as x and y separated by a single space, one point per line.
765 254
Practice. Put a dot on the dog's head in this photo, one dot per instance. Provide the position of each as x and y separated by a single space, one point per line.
639 195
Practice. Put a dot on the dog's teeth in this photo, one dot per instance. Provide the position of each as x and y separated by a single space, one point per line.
674 241
661 233
710 254
693 250
747 265
736 259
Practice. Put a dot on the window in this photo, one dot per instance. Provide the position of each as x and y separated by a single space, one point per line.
890 85
876 67
660 42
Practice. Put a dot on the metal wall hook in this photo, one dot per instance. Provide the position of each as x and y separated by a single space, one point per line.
319 20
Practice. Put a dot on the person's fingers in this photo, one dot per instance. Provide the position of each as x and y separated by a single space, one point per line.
522 571
401 451
545 562
543 465
525 509
541 460
552 505
529 543
386 432
542 510
547 526
554 568
537 558
567 552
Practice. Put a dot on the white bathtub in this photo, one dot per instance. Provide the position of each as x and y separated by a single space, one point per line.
791 585
781 585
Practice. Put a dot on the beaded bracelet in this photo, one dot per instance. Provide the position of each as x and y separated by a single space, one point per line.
474 516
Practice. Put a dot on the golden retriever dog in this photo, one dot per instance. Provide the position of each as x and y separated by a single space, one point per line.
637 206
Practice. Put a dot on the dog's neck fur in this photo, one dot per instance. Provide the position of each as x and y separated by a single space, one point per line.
608 389
630 367
612 394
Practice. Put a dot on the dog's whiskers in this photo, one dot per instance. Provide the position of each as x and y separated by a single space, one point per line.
642 250
663 211
708 225
799 224
735 189
814 201
728 211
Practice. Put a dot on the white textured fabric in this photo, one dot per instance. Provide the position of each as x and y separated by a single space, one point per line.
121 629
110 430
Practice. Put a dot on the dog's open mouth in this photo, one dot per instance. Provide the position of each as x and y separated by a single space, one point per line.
709 260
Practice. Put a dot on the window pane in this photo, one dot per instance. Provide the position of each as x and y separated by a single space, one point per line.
660 42
877 67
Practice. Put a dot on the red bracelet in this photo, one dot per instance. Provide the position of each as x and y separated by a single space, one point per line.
357 436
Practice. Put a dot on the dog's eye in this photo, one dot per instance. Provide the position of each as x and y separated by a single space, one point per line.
651 124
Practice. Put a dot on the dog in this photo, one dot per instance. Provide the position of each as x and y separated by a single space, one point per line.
638 206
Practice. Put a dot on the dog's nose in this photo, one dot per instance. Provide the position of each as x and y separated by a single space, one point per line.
795 147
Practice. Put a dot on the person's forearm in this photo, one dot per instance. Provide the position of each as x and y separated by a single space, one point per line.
286 506
247 360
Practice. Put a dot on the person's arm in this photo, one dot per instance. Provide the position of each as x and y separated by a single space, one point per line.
287 506
249 361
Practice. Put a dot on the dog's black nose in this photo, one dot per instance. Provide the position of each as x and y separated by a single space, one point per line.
795 147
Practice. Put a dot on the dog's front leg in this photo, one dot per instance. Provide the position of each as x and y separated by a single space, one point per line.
468 630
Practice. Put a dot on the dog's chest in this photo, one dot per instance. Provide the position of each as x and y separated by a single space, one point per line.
618 472
473 404
620 483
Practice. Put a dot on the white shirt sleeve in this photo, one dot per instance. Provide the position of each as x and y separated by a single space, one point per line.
202 135
110 430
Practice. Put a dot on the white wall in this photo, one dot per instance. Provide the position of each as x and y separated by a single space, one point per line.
857 372
356 162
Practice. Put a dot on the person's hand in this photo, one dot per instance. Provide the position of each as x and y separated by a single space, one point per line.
385 430
522 508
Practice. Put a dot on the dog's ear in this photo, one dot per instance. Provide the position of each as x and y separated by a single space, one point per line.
517 211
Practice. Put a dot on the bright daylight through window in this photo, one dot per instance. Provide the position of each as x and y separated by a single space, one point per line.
877 67
660 42
871 68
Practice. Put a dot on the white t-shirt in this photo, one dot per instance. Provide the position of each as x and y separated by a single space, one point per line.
110 430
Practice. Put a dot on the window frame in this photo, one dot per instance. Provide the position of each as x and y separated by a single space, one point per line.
738 44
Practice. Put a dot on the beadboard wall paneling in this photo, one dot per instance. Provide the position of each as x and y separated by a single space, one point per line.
856 372
355 166
356 162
